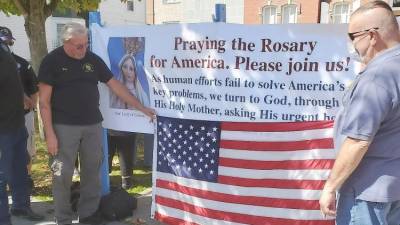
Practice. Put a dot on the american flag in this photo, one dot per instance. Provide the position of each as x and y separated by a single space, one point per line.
211 172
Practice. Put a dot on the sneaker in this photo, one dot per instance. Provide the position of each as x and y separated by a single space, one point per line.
95 219
27 214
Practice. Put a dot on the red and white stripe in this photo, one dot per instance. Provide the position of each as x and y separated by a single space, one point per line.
269 173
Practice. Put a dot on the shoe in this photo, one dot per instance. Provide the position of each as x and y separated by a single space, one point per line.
95 219
27 214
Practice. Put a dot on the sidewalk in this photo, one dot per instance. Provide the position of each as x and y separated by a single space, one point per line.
46 209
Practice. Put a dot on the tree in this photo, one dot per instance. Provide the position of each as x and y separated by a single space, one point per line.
35 13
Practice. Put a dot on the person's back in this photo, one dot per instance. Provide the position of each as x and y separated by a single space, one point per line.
11 94
13 136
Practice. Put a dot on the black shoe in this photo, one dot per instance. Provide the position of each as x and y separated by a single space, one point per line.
27 214
95 219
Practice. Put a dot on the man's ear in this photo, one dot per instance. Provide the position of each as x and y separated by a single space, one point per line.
373 35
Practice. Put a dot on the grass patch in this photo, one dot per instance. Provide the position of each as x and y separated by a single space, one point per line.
42 176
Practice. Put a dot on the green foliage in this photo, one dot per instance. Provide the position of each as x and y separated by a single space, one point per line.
79 5
10 8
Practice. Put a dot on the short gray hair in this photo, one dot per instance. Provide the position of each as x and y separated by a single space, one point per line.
71 30
388 24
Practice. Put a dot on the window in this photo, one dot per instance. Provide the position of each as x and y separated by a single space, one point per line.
170 22
59 42
129 5
341 12
269 14
395 4
289 13
171 1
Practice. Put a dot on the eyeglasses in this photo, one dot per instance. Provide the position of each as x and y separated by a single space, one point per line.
80 46
353 35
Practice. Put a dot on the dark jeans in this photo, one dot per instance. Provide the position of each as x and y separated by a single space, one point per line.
125 146
13 171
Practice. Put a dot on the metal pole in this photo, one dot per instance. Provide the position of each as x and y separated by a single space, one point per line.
220 13
94 17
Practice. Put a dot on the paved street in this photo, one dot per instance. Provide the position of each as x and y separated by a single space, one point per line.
46 208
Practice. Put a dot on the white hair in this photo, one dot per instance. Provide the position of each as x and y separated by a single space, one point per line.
71 30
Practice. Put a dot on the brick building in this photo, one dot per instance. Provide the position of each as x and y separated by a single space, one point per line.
303 11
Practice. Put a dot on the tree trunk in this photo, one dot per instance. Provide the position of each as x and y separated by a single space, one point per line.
35 29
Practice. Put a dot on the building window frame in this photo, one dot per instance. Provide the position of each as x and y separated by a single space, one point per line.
338 13
395 4
171 1
292 9
171 22
267 14
130 5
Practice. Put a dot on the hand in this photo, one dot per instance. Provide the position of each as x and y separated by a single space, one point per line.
327 203
28 103
150 113
52 144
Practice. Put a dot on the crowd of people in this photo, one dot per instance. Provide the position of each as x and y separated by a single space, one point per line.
363 186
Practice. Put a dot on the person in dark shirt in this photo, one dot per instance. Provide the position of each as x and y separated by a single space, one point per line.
13 134
31 90
69 105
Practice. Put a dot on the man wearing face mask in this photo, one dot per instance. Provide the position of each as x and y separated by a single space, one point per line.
366 172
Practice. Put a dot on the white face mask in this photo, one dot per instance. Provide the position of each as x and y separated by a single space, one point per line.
11 47
354 55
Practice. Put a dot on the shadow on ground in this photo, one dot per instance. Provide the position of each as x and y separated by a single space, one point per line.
46 208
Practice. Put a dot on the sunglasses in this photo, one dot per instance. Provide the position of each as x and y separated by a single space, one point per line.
353 35
80 46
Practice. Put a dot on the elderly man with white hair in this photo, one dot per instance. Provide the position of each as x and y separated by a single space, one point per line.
69 104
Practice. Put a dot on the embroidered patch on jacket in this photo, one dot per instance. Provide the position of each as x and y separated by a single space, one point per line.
88 67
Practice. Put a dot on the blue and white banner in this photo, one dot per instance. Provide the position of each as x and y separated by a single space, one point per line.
244 133
226 72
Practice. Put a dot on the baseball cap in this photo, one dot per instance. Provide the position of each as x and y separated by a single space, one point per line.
6 34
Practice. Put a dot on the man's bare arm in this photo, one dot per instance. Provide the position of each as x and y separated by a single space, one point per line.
349 157
45 92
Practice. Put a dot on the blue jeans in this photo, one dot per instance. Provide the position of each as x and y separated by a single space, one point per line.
13 171
352 211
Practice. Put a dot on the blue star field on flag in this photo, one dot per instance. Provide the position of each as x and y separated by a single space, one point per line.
188 148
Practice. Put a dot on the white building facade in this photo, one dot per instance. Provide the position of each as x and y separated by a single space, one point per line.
195 11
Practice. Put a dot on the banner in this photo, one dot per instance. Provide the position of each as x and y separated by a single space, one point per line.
244 130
